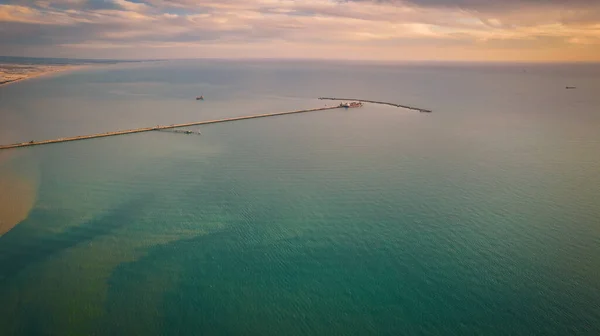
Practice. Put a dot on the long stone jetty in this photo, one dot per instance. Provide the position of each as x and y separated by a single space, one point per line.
379 102
158 128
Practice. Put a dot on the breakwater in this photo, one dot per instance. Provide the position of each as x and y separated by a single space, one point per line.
159 128
379 102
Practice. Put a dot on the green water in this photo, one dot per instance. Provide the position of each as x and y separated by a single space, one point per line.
480 218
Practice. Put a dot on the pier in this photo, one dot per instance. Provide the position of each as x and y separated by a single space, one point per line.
159 128
379 102
172 130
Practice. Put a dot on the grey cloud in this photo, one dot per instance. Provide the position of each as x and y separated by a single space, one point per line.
573 11
568 12
489 4
64 4
19 34
93 23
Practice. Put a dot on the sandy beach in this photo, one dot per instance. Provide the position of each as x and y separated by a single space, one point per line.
12 73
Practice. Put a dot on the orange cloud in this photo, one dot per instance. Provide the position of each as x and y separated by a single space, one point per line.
409 29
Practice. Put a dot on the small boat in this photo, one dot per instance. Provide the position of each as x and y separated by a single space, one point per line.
200 98
570 87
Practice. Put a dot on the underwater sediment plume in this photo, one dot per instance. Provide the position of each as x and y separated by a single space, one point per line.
16 200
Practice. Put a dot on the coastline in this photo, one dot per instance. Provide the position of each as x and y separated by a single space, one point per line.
45 70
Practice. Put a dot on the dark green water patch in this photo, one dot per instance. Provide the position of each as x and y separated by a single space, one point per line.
17 254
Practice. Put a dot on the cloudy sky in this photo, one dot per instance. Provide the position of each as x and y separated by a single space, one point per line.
493 30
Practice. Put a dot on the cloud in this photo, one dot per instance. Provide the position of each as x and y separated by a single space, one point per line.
132 6
15 13
487 5
384 29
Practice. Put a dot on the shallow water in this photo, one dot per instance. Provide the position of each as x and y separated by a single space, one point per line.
480 218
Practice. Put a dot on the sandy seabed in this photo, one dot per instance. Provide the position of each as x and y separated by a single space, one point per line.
17 196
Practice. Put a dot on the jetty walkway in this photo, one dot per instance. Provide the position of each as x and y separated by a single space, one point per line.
158 128
179 131
379 102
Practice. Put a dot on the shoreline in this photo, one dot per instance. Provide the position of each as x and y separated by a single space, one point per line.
53 70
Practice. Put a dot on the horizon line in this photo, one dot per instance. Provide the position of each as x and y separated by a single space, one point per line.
309 60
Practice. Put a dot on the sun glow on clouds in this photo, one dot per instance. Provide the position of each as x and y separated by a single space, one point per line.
362 29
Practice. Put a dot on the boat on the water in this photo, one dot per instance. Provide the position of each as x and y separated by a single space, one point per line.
200 98
570 87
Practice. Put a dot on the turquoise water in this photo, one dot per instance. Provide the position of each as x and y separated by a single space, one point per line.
480 218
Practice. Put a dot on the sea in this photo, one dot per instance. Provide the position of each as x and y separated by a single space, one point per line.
480 218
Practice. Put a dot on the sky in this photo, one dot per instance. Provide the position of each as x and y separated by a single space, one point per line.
389 30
